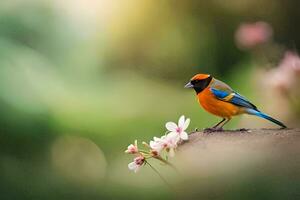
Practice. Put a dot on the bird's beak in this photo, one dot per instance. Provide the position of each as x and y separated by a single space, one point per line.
188 85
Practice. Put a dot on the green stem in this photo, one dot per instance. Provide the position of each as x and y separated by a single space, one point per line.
166 162
143 151
157 172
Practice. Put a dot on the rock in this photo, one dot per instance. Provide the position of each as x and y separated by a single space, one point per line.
220 165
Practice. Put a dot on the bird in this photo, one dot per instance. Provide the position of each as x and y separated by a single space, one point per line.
218 98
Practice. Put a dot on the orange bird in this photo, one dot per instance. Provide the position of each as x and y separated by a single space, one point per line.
217 98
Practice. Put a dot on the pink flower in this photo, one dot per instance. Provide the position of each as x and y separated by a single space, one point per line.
132 148
158 144
291 62
167 142
137 163
179 129
249 35
286 75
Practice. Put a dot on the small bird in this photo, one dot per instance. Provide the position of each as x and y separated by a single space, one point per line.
217 98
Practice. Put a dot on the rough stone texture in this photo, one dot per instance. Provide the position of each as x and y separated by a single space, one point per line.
261 133
251 135
253 164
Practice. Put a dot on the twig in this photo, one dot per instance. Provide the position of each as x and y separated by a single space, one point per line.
162 178
166 162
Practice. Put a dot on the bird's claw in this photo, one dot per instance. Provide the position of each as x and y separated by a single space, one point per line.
211 130
243 129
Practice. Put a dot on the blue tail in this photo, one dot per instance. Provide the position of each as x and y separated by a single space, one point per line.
265 116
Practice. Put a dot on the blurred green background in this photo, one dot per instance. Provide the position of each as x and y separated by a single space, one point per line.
81 79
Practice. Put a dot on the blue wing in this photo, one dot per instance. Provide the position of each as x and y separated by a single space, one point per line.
233 97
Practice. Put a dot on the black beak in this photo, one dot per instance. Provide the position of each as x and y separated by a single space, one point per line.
188 85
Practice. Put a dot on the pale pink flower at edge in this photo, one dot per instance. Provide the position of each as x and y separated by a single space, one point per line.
285 76
291 61
137 163
179 129
132 148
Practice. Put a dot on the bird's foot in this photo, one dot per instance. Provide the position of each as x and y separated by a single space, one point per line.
243 129
213 129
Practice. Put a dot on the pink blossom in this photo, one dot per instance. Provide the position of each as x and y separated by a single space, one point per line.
286 75
167 142
249 35
137 163
180 128
132 148
291 62
157 144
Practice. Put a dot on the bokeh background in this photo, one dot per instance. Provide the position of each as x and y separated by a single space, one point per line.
81 79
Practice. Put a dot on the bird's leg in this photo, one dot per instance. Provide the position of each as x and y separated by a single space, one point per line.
221 127
215 127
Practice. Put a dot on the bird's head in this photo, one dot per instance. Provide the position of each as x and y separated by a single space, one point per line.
199 82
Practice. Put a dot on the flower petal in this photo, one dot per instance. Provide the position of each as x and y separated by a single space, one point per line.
171 126
181 121
156 139
172 134
152 144
132 166
186 124
172 139
184 136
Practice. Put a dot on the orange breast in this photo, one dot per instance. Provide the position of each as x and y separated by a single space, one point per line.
215 106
